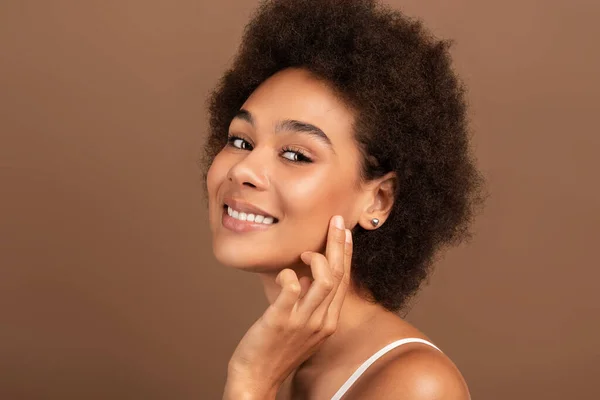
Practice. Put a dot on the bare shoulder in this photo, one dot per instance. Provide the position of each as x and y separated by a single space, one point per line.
418 373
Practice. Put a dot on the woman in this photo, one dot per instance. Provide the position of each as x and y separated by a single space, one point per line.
337 165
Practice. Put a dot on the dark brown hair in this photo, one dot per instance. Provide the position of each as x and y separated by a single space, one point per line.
410 118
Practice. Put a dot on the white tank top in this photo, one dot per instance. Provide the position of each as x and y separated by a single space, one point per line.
360 370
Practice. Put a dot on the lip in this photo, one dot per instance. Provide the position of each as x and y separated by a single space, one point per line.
238 226
248 208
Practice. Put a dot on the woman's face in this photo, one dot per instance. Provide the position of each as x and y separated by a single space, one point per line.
291 156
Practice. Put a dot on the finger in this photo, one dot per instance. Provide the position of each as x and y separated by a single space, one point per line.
338 300
336 239
290 291
319 288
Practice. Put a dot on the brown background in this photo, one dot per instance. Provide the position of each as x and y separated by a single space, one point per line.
108 286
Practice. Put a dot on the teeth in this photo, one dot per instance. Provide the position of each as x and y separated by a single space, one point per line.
242 216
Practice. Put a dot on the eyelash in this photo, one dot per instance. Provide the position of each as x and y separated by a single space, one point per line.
303 158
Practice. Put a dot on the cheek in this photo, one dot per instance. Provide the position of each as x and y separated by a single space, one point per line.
217 173
311 202
320 193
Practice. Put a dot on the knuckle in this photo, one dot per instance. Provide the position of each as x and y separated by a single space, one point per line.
348 251
346 279
294 289
276 324
329 328
338 274
315 325
326 284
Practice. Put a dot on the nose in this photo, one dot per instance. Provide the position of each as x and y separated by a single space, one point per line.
250 171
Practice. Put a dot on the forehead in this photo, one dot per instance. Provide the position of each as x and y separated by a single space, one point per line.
298 95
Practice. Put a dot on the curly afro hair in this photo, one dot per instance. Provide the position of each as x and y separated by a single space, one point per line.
410 118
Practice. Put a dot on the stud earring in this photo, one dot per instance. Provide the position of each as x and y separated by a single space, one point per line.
374 222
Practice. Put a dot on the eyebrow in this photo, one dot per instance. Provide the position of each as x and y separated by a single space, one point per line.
289 125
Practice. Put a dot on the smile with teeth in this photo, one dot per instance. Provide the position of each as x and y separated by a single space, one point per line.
256 218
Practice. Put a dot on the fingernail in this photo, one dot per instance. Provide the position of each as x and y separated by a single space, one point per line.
348 236
338 221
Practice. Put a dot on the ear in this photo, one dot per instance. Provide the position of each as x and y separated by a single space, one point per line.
379 200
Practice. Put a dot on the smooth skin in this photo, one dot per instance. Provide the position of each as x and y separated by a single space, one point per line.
318 328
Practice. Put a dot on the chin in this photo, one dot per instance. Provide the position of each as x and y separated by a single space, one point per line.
252 258
234 257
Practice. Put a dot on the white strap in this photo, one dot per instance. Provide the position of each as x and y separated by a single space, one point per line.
338 395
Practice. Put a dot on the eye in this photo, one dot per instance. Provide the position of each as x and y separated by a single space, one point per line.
295 155
291 154
239 143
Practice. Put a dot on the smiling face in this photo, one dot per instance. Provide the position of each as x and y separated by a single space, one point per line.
291 156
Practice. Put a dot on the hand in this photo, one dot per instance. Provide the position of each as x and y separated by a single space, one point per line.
298 321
